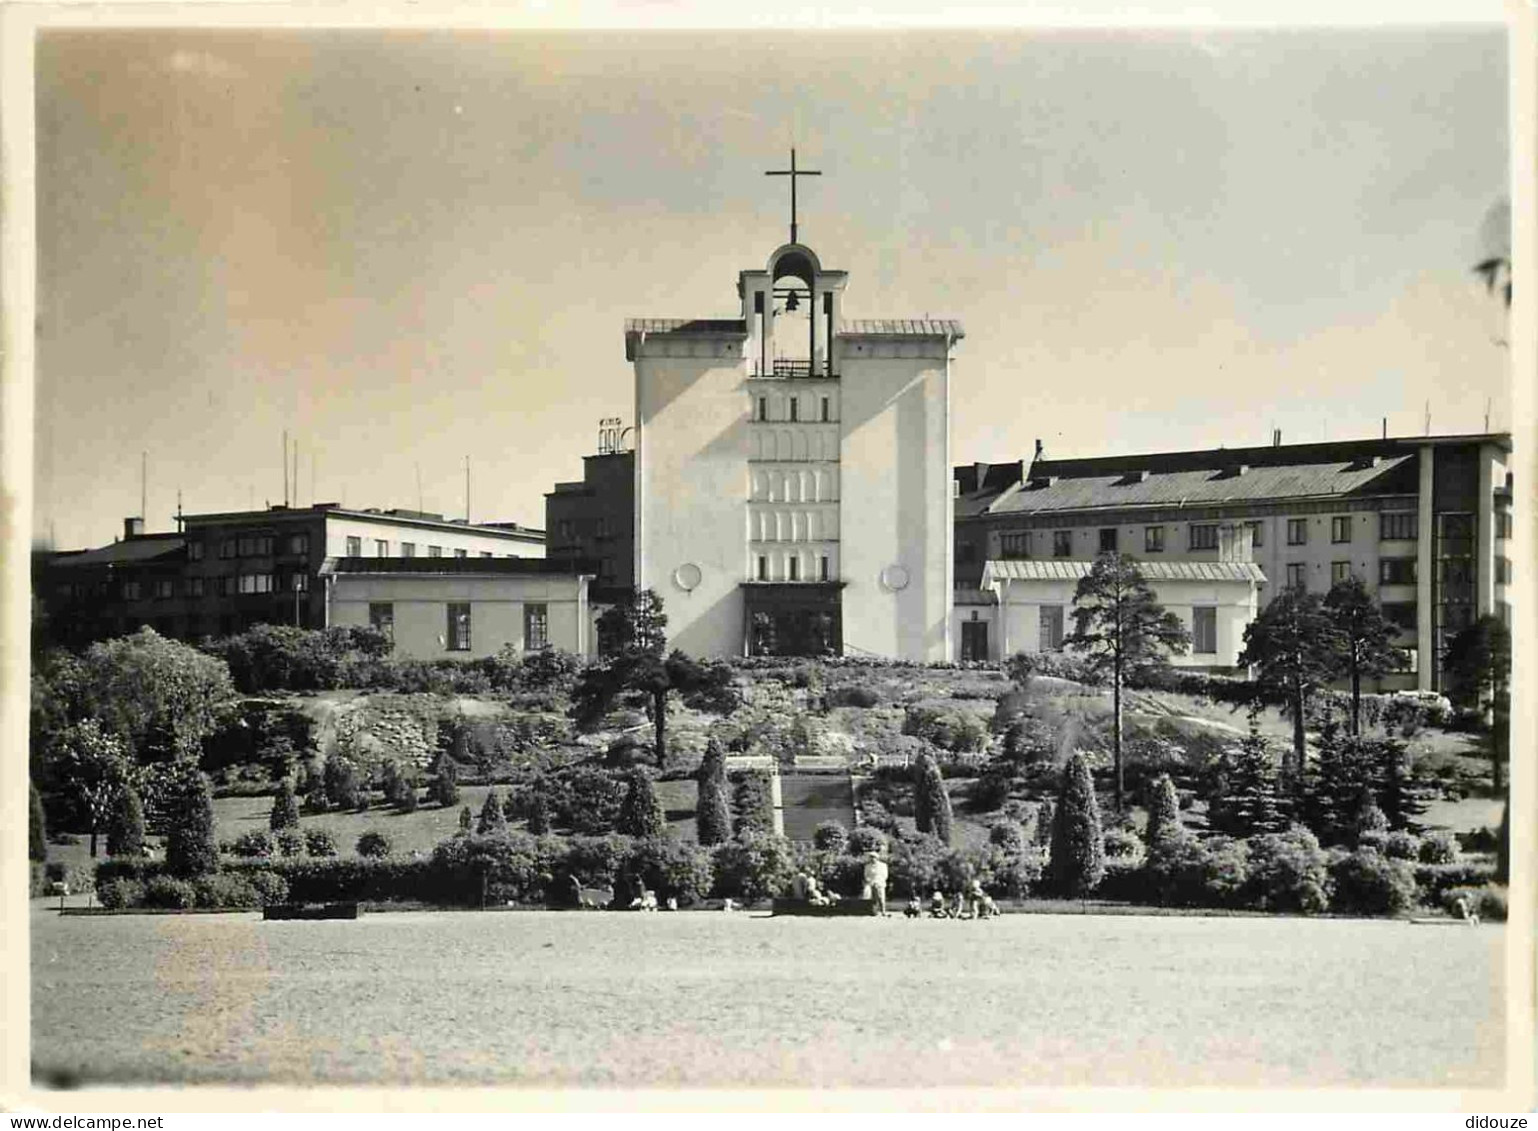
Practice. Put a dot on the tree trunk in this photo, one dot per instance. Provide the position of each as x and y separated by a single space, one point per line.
1116 728
93 841
660 722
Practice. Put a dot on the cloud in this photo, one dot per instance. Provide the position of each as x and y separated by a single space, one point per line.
202 63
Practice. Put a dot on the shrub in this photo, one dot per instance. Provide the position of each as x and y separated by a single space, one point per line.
319 842
753 802
492 819
915 866
753 866
712 815
1368 883
1163 812
444 788
931 804
1187 872
1488 902
125 825
830 836
1402 845
270 887
1076 862
949 728
1008 836
641 814
290 842
1123 844
1438 847
121 893
170 892
256 843
342 788
500 866
852 695
587 800
672 868
285 808
226 889
1288 872
1013 875
375 844
1434 880
466 819
190 848
864 841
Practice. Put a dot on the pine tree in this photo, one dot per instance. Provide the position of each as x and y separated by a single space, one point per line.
1336 783
713 813
1163 813
125 826
190 848
1402 794
492 819
37 827
1077 862
931 804
1247 803
466 819
445 784
1293 647
1363 639
641 813
285 809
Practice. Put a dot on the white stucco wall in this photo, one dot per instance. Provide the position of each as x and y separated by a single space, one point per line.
339 528
895 500
692 481
421 603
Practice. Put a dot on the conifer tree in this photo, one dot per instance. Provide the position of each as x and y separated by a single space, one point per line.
1247 802
713 812
1336 783
125 827
190 847
37 827
492 819
641 815
285 808
931 804
1363 639
466 819
445 784
1292 646
1077 862
538 821
1046 811
1402 795
1163 813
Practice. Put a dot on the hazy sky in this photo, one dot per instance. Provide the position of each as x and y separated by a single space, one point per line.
407 248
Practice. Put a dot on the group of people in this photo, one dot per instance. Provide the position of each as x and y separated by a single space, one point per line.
971 902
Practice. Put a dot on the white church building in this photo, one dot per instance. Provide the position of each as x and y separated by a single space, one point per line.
792 472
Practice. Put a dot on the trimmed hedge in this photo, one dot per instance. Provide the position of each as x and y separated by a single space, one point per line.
1435 880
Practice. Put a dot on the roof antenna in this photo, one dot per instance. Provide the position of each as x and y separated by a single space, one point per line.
1385 428
1487 415
285 467
420 508
144 490
1428 417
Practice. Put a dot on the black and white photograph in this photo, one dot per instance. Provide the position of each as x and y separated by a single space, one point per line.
891 556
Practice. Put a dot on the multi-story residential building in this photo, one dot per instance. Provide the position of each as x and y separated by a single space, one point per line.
791 472
1426 522
594 521
222 573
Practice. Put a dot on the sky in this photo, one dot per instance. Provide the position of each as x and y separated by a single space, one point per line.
409 248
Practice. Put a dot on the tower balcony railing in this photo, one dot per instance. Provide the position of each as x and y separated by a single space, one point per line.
790 368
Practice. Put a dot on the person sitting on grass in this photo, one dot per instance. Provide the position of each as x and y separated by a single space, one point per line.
914 908
959 906
987 909
937 906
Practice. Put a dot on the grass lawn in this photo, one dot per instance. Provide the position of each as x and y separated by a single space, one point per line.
604 1000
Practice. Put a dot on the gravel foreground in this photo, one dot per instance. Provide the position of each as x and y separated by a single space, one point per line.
616 1000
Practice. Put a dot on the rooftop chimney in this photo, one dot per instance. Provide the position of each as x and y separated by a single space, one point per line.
1038 449
1276 438
133 528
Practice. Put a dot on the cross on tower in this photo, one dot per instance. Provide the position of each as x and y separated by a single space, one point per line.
793 173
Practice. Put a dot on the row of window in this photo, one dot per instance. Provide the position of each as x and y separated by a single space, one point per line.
791 407
408 549
457 624
805 485
229 585
793 526
1393 526
791 569
253 546
1204 629
793 444
568 529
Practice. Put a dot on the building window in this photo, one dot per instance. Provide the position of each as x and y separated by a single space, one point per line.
822 568
164 588
459 628
381 548
1339 571
1297 576
1204 536
1297 531
1051 639
793 568
227 548
1204 630
1503 524
408 549
1257 534
1503 610
435 551
1399 526
461 553
827 409
132 591
795 409
1340 528
194 587
1503 571
763 408
1400 614
224 586
1396 571
1015 547
255 546
381 615
299 582
1062 543
1108 540
255 583
299 543
1153 539
354 546
195 550
1456 571
536 628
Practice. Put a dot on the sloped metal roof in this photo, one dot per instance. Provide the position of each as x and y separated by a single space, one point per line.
1198 488
901 327
685 326
1066 569
132 552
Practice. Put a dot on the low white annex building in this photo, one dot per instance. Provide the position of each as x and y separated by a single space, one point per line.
1027 606
463 608
792 469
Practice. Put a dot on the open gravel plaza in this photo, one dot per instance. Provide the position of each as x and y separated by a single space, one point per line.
745 1000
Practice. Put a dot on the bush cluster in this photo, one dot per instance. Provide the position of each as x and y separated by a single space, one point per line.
949 728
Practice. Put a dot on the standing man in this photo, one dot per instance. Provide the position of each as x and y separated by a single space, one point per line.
875 879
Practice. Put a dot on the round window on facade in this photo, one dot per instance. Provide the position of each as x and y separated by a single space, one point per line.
894 577
687 576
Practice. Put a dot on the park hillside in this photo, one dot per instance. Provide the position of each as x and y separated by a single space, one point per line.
288 765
